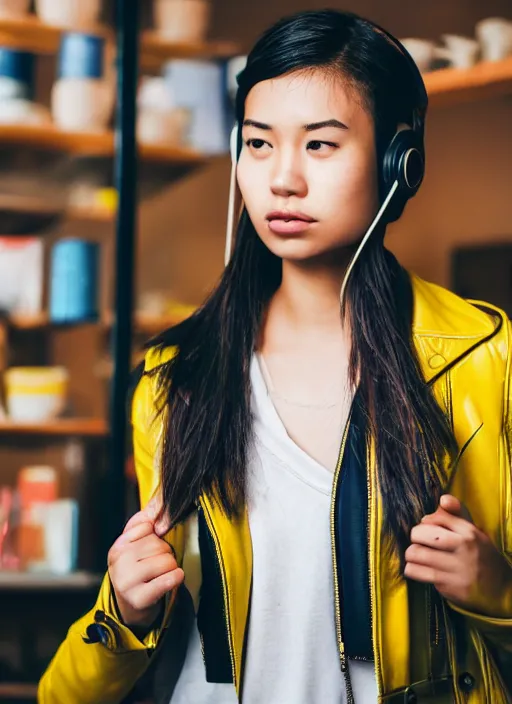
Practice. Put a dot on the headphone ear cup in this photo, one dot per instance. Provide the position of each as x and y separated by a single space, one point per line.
404 162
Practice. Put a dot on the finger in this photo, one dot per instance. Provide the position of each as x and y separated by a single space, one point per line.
434 536
152 508
137 532
446 520
145 595
133 535
163 524
429 557
152 546
454 506
157 513
153 567
420 573
137 519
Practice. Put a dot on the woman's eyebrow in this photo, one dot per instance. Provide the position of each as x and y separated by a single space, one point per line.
311 127
258 125
325 123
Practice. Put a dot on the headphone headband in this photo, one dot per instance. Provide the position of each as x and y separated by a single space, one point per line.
420 109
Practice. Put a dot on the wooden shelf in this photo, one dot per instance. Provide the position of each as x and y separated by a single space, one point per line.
49 137
33 581
92 144
30 34
144 323
89 214
28 322
156 49
48 211
10 692
450 86
171 155
60 427
14 203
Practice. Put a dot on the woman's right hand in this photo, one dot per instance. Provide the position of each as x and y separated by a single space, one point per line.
142 568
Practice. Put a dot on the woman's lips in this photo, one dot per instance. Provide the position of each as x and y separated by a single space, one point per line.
288 223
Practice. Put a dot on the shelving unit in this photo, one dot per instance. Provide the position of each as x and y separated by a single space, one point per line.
93 435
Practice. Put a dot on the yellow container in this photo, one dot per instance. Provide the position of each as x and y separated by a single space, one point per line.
36 394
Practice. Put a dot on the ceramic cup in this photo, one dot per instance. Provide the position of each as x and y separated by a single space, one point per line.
72 14
495 37
424 52
462 51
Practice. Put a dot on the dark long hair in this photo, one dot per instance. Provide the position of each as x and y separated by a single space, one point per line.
205 389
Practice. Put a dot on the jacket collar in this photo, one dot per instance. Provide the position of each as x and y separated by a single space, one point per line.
446 328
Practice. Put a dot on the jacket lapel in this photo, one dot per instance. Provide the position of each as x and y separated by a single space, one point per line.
446 328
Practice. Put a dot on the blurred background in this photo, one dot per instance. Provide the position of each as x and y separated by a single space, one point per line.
58 208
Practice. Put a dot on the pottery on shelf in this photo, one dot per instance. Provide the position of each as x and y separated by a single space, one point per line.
182 20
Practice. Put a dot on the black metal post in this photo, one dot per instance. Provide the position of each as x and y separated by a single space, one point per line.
127 20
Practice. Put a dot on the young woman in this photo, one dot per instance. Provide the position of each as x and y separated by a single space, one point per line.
336 485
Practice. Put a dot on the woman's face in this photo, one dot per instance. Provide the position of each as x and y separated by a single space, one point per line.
307 171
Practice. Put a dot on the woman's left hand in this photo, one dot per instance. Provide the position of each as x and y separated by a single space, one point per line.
451 553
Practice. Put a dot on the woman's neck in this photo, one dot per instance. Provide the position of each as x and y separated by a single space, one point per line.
309 295
305 310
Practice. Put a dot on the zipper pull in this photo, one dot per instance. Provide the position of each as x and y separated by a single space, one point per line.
343 657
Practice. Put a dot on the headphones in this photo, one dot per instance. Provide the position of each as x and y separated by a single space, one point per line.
401 171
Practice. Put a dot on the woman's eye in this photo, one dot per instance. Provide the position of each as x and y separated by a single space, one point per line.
317 146
257 144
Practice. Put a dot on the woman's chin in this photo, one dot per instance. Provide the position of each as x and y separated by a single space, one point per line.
299 250
293 248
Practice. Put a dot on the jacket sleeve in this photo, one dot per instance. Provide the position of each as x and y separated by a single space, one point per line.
498 631
100 660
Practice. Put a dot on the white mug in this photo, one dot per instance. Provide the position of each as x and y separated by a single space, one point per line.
462 52
424 51
495 37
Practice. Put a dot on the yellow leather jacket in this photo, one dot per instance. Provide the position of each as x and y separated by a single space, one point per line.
422 654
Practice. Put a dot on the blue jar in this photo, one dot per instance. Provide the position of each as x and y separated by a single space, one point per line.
74 281
81 56
16 74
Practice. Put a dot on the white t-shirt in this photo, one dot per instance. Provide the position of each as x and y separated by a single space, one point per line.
292 654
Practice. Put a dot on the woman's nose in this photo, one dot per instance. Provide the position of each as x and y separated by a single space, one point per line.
287 178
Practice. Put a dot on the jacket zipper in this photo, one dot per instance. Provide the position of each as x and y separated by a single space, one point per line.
337 591
224 580
371 566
